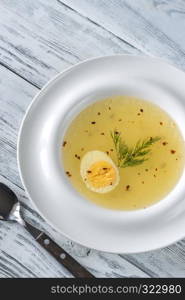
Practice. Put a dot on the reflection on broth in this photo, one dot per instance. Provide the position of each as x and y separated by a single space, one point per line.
123 153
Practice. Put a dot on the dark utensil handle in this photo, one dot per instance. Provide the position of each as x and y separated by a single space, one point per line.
63 257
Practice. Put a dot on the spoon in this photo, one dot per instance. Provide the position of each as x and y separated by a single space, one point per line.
10 211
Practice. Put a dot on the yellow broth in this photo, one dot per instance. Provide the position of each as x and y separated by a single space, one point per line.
140 186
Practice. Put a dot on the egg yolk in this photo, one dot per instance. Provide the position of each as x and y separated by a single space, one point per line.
101 174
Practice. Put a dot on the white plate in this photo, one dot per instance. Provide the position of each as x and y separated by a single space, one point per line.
39 148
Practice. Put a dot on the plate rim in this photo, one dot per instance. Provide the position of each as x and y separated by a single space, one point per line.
47 85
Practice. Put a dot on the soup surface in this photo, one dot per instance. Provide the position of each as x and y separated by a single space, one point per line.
135 122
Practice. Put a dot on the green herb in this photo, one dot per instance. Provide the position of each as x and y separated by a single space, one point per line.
130 157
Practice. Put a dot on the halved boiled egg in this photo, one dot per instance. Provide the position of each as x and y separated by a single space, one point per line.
99 172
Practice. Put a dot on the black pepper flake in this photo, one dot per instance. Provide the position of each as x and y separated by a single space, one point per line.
141 110
68 174
107 152
173 151
111 183
93 122
164 143
138 114
127 187
98 113
161 123
156 169
120 120
89 172
109 108
105 168
102 133
154 175
116 132
64 143
146 170
176 158
111 150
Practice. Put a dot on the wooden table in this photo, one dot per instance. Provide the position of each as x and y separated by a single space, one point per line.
40 38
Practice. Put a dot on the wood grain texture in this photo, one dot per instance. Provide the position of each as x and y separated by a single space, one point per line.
37 40
44 37
154 27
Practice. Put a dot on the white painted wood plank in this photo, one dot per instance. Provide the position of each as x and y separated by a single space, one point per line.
20 256
166 262
40 38
155 27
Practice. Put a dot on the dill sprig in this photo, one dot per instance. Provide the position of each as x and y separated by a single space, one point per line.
130 157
